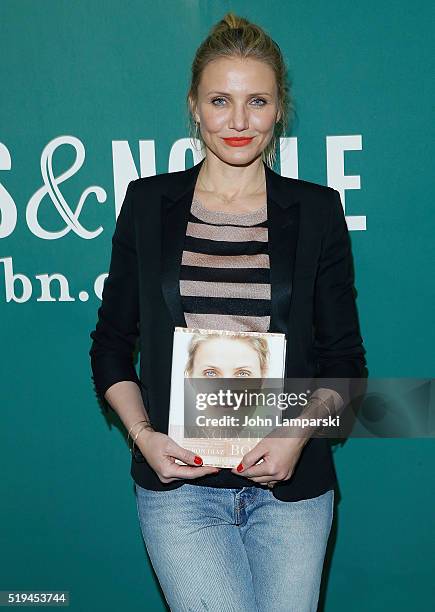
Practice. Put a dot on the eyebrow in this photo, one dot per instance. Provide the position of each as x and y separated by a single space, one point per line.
224 93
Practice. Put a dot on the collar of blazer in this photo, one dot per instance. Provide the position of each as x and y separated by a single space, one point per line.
283 221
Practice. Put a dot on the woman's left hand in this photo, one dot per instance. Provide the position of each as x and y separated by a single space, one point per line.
280 456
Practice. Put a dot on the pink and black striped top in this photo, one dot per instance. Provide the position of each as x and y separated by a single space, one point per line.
225 270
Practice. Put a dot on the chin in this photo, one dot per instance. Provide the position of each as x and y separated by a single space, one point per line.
238 158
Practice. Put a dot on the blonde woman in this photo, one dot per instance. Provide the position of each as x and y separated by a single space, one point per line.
229 244
225 355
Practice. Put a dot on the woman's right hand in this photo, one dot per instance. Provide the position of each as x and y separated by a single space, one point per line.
160 451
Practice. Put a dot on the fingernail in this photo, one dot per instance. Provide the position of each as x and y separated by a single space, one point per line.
240 467
197 460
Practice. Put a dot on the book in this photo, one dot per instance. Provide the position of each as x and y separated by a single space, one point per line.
211 365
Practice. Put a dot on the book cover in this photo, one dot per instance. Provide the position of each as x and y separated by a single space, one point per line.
213 365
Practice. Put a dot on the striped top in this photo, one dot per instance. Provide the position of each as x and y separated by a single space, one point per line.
225 270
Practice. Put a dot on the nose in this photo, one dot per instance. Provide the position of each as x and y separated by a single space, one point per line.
239 118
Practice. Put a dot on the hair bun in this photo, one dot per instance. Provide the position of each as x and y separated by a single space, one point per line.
234 22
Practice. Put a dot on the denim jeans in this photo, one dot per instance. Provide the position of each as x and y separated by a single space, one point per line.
235 550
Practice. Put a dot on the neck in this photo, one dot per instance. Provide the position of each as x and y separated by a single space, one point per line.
230 181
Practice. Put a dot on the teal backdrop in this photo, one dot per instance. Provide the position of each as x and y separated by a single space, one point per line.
93 95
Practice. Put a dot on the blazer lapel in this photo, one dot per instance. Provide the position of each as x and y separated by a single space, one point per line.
175 214
283 218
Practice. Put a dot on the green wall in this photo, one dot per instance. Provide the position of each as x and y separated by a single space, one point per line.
109 75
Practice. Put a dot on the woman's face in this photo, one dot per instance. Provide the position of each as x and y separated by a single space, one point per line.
226 358
236 98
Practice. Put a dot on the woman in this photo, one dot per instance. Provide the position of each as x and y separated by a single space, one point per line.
218 355
229 244
230 356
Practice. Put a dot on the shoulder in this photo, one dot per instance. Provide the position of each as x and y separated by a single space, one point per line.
320 203
154 182
317 202
308 189
152 187
146 192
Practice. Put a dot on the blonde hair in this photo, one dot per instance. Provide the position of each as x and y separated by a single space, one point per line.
237 37
260 345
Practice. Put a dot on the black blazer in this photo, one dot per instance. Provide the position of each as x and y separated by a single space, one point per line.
312 302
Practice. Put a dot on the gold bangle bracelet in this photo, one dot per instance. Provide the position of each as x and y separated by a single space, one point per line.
322 402
134 425
146 426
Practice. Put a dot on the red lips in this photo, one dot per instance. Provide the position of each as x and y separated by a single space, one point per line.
237 142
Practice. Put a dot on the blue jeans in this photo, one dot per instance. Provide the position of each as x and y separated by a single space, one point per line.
235 550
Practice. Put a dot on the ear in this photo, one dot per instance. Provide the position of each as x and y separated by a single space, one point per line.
192 106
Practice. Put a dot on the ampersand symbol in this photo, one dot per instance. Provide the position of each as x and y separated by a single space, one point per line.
51 188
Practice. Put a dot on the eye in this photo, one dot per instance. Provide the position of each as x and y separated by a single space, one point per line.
209 373
215 100
243 373
261 100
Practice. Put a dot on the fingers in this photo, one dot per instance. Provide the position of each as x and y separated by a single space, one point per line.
172 471
261 470
263 473
193 469
183 454
184 471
